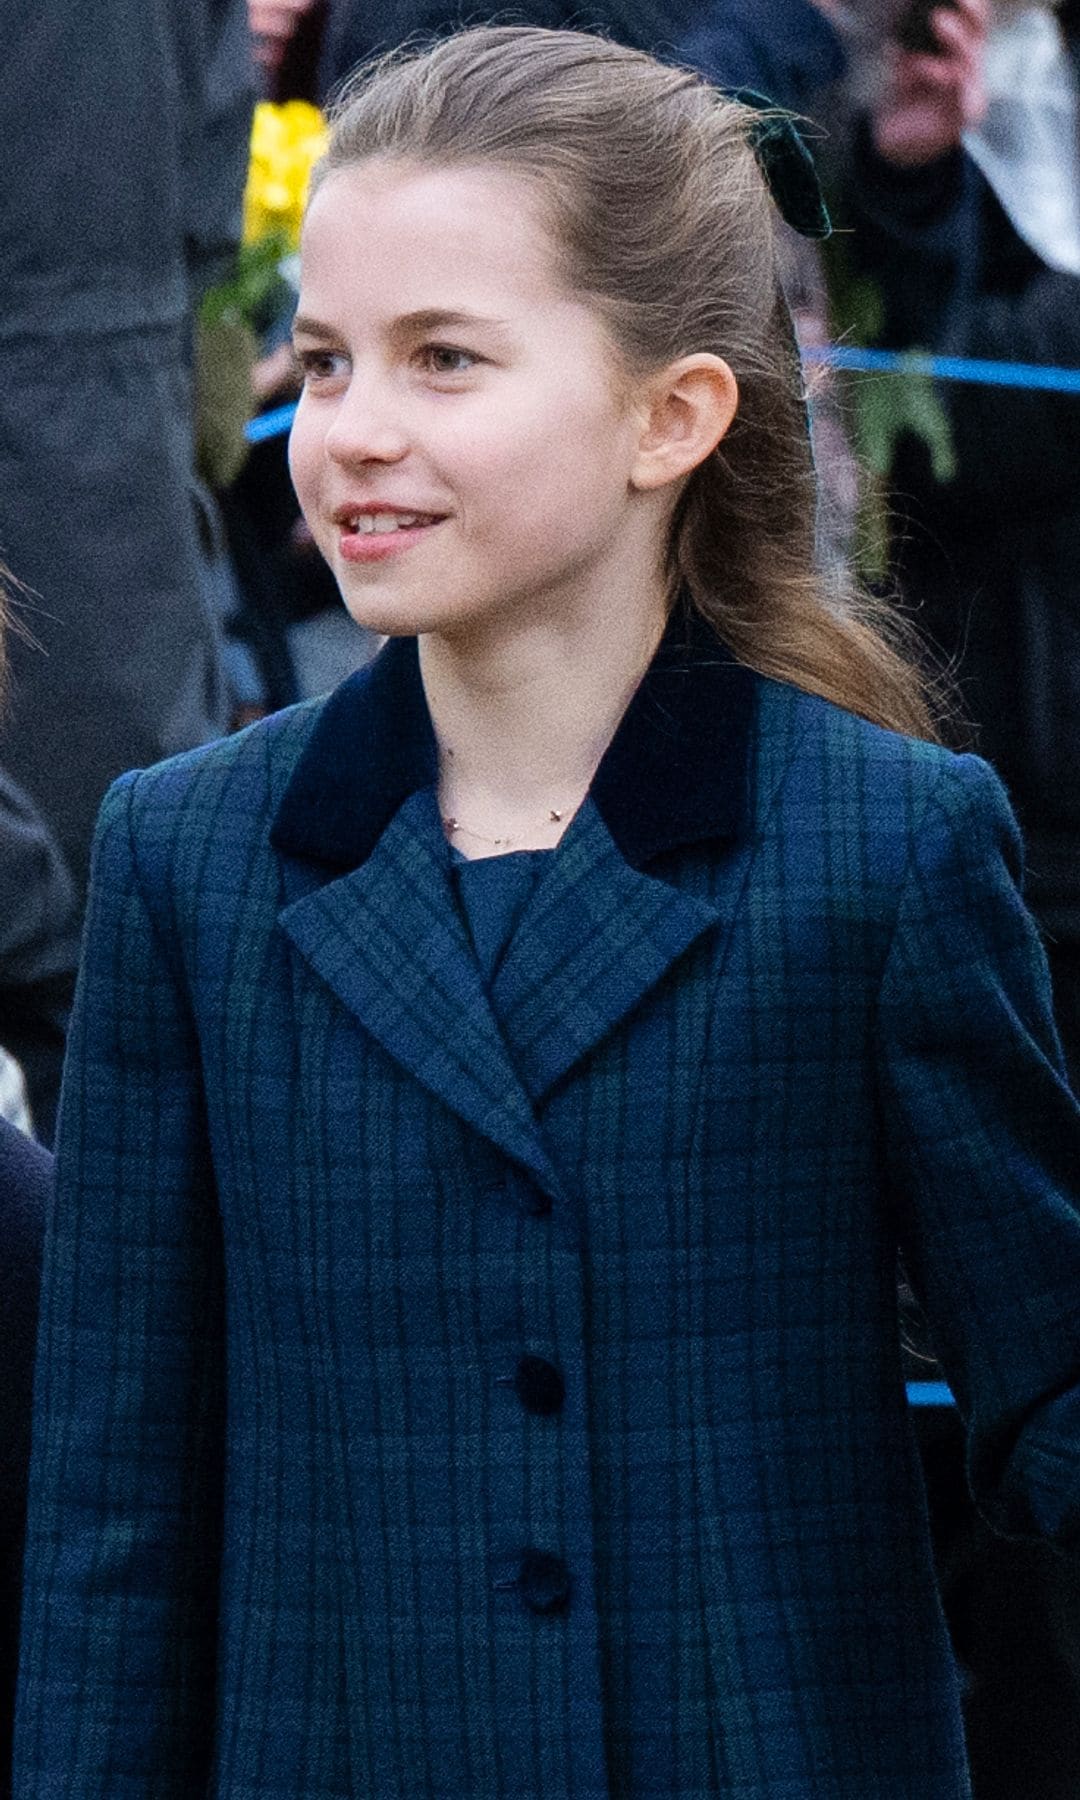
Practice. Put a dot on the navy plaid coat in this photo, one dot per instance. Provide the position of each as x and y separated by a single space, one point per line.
498 1396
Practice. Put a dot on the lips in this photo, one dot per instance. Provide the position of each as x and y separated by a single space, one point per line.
376 533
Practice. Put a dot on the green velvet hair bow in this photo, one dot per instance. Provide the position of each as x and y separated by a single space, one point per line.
788 167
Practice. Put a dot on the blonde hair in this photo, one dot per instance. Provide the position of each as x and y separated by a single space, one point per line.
663 221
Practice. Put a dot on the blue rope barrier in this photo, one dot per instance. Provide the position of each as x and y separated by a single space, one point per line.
270 424
1044 377
929 1393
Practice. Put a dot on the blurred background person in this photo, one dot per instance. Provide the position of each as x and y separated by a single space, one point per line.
964 191
25 1174
784 50
39 944
961 186
287 37
126 131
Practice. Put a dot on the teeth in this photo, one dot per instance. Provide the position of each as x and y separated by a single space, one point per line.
367 523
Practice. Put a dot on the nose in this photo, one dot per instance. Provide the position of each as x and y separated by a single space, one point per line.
367 425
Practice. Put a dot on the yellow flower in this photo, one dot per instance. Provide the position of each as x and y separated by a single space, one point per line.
286 142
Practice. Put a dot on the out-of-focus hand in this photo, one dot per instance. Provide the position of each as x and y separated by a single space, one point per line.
929 100
272 24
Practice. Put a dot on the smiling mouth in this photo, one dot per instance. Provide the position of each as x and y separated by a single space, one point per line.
378 524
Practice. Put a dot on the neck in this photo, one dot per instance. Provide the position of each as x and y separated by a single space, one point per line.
523 718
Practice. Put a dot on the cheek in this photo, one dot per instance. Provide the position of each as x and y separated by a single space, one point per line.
579 472
305 458
562 456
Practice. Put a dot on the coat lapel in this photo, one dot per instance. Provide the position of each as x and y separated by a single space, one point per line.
388 939
371 908
602 929
597 935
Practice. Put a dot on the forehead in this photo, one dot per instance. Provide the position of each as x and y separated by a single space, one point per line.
401 239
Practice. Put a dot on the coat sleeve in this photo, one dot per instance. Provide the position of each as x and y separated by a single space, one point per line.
123 1536
983 1147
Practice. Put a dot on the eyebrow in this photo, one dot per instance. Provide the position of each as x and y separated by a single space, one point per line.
431 318
311 328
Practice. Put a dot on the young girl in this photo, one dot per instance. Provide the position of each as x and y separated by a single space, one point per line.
499 1092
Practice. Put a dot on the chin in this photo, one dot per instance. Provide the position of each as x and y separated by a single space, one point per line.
403 614
395 617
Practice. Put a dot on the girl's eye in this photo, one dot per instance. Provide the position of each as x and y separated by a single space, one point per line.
318 365
444 359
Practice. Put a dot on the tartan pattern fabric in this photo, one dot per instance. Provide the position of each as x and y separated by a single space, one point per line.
319 1192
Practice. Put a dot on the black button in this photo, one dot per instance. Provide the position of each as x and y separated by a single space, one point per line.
539 1386
543 1582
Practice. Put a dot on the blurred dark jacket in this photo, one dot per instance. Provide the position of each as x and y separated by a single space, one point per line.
785 50
39 946
25 1174
125 129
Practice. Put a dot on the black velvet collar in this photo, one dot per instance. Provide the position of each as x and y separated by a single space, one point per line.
676 772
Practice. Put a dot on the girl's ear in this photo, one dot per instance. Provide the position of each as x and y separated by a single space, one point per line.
685 411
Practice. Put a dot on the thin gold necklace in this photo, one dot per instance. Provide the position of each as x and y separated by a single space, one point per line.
452 825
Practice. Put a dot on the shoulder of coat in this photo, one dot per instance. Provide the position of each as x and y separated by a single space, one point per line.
205 775
212 807
808 745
